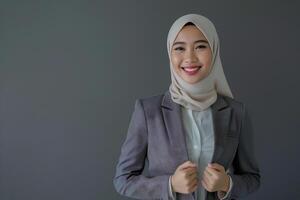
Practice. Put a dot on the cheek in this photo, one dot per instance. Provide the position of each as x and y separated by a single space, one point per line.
206 57
175 61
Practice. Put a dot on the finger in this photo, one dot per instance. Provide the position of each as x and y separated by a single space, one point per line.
190 176
190 170
207 174
212 172
208 185
216 166
193 182
193 176
187 164
194 187
207 178
204 184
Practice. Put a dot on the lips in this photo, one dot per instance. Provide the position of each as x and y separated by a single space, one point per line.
191 70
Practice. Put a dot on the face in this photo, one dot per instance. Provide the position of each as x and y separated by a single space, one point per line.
191 55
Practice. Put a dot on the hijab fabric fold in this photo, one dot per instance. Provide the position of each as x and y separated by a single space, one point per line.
203 94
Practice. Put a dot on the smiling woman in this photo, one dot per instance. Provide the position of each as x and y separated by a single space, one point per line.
196 137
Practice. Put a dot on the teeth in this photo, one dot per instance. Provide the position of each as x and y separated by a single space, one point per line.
188 69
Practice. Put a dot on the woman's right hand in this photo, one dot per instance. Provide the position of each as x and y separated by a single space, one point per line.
185 179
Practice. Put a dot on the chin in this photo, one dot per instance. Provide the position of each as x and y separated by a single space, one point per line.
192 80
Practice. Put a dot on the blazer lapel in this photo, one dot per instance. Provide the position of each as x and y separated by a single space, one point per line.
221 113
173 121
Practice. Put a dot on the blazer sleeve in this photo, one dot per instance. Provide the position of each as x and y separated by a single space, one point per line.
129 180
246 176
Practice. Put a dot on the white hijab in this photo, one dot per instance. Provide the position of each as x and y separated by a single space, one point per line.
201 95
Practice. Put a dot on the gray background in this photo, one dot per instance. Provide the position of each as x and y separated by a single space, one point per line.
70 72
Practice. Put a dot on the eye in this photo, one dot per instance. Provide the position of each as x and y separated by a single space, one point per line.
201 47
178 48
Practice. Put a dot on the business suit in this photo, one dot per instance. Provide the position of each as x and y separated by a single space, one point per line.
156 134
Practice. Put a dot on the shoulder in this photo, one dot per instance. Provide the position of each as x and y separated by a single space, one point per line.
150 102
238 107
234 103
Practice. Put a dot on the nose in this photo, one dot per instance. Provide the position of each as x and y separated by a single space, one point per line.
190 57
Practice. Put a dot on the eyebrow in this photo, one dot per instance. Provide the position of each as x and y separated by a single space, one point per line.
205 41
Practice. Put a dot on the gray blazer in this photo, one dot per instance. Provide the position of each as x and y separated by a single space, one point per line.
155 146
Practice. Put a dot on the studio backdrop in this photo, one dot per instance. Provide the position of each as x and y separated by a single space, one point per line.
70 72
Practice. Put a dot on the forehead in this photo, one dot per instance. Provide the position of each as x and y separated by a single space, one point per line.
189 34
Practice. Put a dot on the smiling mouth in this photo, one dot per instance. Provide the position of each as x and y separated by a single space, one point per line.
191 70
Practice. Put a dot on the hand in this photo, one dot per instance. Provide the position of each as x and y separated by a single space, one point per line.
185 179
215 178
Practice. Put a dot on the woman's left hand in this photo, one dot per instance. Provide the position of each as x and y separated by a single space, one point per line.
215 178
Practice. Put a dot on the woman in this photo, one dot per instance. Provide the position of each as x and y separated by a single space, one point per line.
196 140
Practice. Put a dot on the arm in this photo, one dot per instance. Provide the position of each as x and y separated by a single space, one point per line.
129 180
246 176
